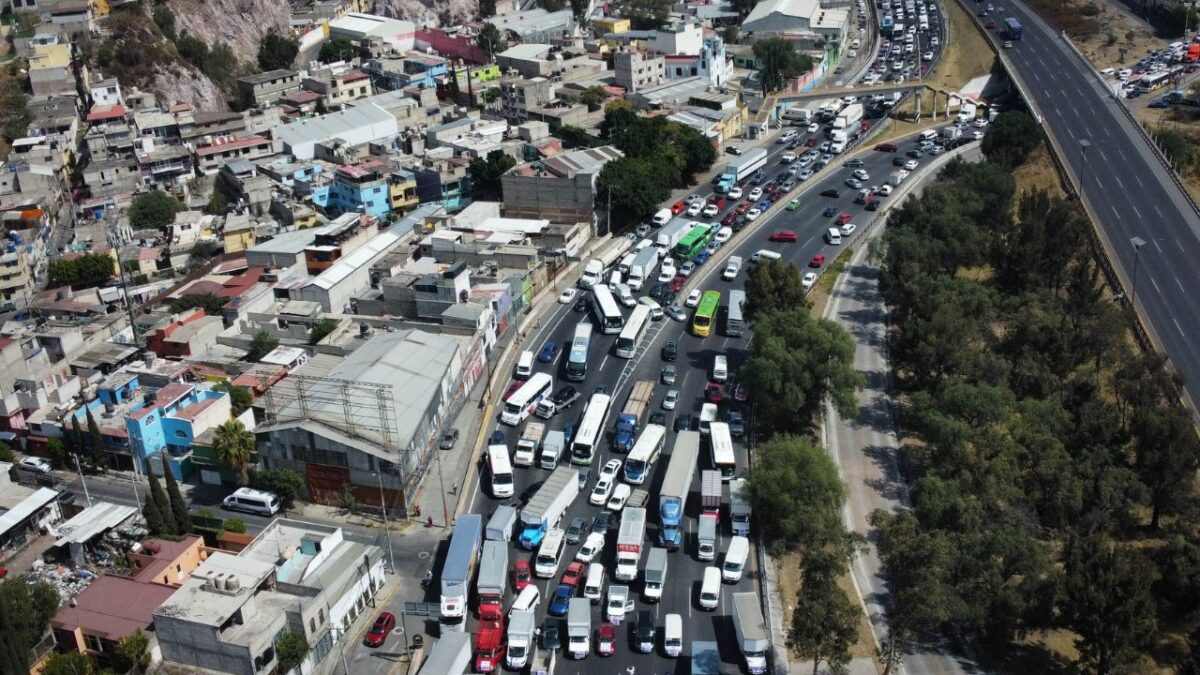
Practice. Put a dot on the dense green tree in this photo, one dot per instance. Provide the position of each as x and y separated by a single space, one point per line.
133 652
1039 247
824 621
88 269
486 173
619 116
261 344
211 304
67 663
1010 138
578 9
1107 601
778 60
1178 19
575 137
14 113
730 34
95 439
491 40
217 204
153 209
288 484
159 497
290 650
698 152
593 97
774 286
795 363
796 494
155 522
1168 456
276 51
179 507
1179 562
337 49
241 398
25 611
193 50
202 253
164 18
633 188
646 14
235 525
320 330
487 8
234 446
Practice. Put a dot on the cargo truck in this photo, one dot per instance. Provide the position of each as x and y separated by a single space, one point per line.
579 627
642 268
706 658
739 508
527 446
711 493
592 273
459 569
740 169
1012 28
619 604
849 118
500 525
655 575
543 662
493 577
552 449
547 506
670 235
521 626
450 654
752 637
672 496
629 543
631 417
489 642
706 537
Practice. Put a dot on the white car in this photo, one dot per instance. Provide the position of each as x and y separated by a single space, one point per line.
934 41
710 211
671 399
884 190
977 135
788 157
981 123
735 193
753 214
592 546
695 208
620 495
848 229
656 312
910 165
809 279
610 469
927 56
814 128
693 298
567 296
723 235
861 174
1108 71
854 183
668 269
755 194
804 175
37 464
602 491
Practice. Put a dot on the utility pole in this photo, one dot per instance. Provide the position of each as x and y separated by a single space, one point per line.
387 532
1137 243
82 481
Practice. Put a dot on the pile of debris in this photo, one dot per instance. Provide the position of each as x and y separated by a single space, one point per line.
69 582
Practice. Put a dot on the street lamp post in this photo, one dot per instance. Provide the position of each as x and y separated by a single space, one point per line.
1084 144
387 531
1137 243
82 481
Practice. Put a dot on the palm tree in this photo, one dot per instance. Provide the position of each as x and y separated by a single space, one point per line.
234 446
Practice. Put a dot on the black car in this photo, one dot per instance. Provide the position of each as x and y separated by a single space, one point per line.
497 438
739 223
576 531
873 205
853 164
914 153
530 492
660 291
683 423
831 193
898 161
603 522
581 304
658 418
564 398
448 439
670 351
550 636
601 389
644 632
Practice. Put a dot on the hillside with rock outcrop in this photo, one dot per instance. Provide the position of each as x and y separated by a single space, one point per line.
429 12
240 24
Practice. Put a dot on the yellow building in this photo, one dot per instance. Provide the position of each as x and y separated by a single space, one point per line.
50 56
611 25
402 192
238 234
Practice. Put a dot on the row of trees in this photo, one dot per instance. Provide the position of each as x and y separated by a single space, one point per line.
660 156
86 270
166 512
1053 482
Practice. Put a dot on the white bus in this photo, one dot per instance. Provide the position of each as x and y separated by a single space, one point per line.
722 450
645 453
708 415
591 430
524 400
500 468
734 323
631 335
577 358
608 313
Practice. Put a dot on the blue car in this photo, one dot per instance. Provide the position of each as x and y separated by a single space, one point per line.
1159 104
568 432
763 205
701 257
549 351
560 600
830 212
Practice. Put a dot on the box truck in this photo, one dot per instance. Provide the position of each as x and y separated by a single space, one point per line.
579 627
521 626
547 506
655 574
752 637
493 577
672 496
450 654
552 449
740 169
629 543
527 445
739 507
459 569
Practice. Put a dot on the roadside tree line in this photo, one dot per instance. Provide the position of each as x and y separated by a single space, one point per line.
1051 468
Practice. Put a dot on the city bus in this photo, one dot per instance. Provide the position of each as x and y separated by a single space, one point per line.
693 242
734 323
577 358
608 313
500 469
721 445
524 400
645 453
591 430
632 334
702 321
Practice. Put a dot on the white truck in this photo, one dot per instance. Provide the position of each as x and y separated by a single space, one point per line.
739 507
579 627
543 662
552 449
548 505
642 268
527 446
451 654
706 537
732 266
521 625
951 133
670 235
655 575
619 604
752 637
592 273
849 118
629 543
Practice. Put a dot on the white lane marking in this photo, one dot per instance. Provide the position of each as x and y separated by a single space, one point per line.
1178 327
1118 179
1155 242
1179 245
1156 209
1114 210
1155 285
1137 211
1179 284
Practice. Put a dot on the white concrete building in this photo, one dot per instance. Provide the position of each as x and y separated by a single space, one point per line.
360 124
802 18
358 27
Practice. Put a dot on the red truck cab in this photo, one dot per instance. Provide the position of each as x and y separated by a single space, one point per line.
489 639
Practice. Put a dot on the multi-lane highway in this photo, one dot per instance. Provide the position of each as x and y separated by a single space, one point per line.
1129 191
694 363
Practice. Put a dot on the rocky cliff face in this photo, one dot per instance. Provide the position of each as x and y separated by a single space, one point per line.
238 23
429 12
184 83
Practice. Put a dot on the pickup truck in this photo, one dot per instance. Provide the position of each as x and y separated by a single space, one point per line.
619 604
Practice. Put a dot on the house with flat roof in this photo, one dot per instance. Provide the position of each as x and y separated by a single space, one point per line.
802 18
372 29
560 189
263 89
353 126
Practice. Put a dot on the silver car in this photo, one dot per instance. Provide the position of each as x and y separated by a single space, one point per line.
668 374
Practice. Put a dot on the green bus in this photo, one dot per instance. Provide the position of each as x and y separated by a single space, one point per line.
706 312
693 242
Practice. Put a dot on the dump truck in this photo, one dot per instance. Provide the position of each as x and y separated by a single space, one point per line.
527 446
521 625
489 641
740 169
548 505
493 576
711 492
629 543
579 627
752 637
655 575
739 507
459 568
450 654
672 496
631 417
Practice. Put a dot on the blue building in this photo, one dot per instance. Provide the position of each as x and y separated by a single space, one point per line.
412 69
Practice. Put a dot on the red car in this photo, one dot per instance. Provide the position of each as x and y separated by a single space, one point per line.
380 630
677 283
783 235
742 208
678 208
575 572
607 644
521 575
817 261
990 24
719 202
740 393
811 142
512 389
843 219
887 147
714 392
727 221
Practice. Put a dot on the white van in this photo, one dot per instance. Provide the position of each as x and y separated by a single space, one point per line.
614 280
252 501
593 588
735 559
662 217
673 635
929 134
765 255
625 296
549 555
623 267
524 365
720 368
527 600
710 589
833 236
